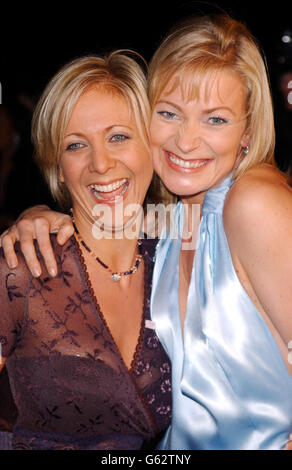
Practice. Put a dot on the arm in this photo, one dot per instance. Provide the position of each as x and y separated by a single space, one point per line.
258 222
2 362
36 223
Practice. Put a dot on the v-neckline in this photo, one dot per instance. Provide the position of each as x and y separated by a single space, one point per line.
182 318
182 315
130 370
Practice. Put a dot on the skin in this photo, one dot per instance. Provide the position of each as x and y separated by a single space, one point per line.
208 132
258 208
257 213
102 145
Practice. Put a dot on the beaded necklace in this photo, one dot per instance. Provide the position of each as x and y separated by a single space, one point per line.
115 276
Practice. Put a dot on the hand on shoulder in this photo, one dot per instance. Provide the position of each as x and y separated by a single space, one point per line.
36 223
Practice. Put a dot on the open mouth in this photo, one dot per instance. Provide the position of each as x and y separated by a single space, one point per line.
110 193
181 164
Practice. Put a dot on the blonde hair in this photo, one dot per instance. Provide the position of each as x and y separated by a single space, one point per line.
207 44
117 72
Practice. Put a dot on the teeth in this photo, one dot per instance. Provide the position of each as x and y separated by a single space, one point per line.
107 188
184 163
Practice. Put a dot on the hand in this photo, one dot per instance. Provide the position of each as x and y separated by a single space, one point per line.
36 223
289 444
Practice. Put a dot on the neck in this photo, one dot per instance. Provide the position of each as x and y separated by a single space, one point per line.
115 250
194 199
192 217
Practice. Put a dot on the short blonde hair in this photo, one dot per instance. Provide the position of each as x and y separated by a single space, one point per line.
118 72
207 44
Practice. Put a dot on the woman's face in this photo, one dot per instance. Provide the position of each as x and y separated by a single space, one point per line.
104 160
196 143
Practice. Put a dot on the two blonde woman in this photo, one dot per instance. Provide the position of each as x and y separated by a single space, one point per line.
222 306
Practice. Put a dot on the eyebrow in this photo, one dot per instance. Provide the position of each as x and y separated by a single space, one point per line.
77 134
107 129
206 111
169 103
218 108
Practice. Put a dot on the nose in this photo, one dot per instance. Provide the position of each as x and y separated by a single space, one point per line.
101 160
188 137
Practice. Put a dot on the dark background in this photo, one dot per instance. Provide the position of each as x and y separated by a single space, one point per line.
36 41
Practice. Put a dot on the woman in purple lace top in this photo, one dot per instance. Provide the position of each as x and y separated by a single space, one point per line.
85 365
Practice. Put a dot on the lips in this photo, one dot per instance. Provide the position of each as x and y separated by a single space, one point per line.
110 193
182 165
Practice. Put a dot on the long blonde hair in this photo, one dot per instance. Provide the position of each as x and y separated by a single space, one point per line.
207 44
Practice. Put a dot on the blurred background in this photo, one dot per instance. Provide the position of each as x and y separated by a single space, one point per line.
36 41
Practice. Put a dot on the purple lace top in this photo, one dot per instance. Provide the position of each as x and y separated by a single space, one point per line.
69 382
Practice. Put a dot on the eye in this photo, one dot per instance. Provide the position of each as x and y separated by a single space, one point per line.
119 138
74 146
167 114
217 120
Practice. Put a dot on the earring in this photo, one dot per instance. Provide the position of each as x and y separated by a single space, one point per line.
245 149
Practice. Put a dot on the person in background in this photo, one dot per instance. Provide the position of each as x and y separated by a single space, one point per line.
282 87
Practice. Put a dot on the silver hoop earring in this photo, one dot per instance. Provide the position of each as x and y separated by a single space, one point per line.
245 149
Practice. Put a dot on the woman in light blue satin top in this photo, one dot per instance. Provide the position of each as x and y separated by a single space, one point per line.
222 309
212 143
231 388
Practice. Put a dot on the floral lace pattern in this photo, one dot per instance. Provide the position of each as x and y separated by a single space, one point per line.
69 382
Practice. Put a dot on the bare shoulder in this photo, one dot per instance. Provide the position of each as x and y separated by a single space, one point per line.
261 193
258 227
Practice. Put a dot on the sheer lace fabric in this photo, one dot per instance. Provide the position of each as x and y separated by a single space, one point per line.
69 382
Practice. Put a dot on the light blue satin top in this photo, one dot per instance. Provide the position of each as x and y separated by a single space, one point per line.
231 387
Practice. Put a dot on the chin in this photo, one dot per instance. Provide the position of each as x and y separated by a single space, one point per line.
181 190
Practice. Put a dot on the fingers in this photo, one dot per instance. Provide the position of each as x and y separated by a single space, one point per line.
40 229
42 233
7 241
36 222
26 235
65 230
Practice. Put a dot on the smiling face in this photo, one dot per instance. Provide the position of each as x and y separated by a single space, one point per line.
104 160
197 142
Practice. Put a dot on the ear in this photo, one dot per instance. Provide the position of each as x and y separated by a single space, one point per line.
245 140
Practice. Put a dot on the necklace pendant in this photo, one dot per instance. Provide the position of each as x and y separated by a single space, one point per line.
116 277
